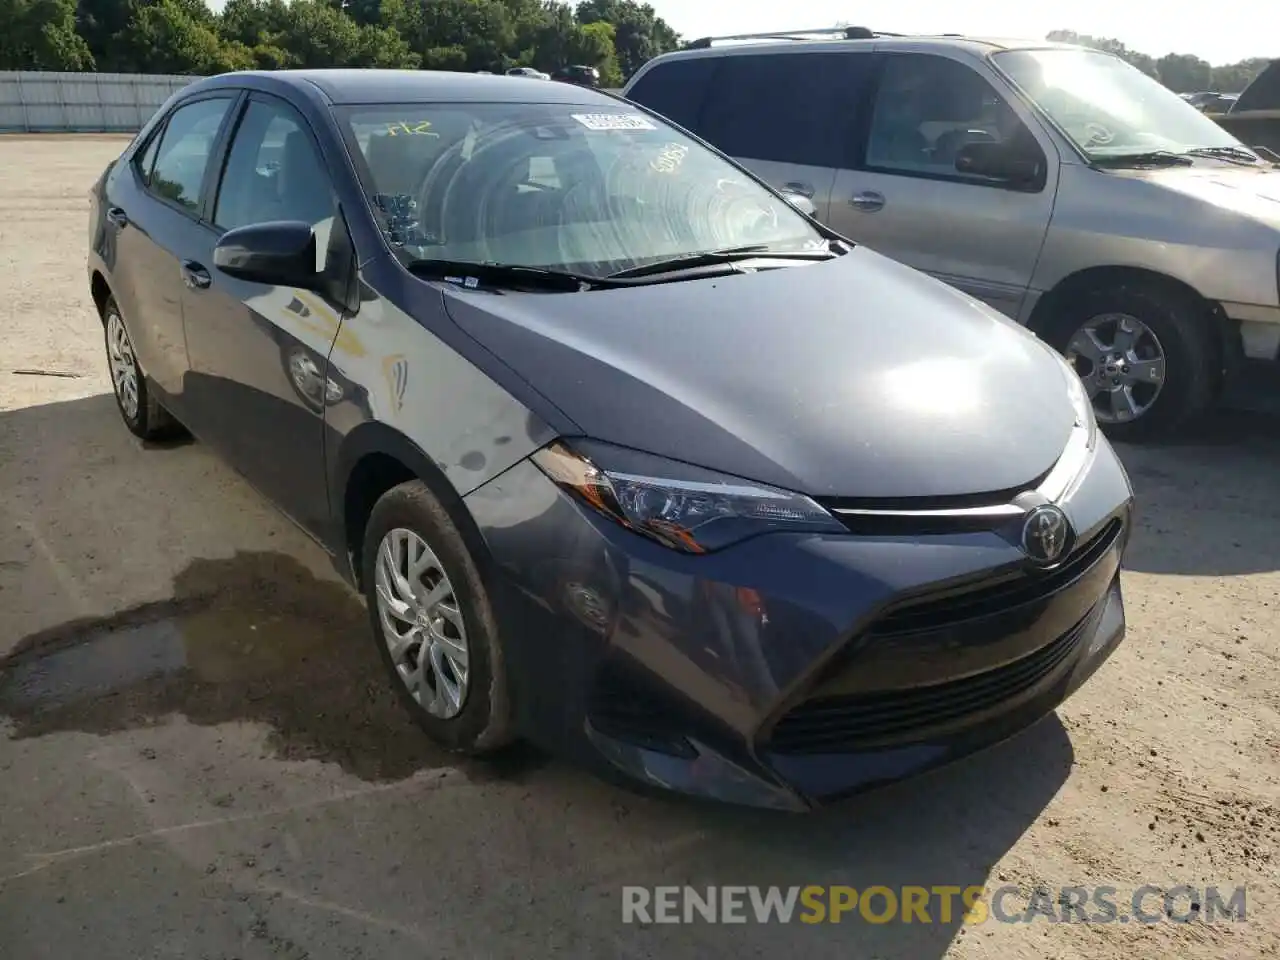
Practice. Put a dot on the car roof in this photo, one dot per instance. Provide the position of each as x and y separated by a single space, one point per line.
350 86
978 46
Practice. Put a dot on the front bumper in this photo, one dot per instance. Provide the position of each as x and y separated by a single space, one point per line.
791 670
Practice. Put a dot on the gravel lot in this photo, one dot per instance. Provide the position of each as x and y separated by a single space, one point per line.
237 783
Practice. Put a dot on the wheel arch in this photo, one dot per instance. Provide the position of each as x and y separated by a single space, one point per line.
1049 307
100 290
373 459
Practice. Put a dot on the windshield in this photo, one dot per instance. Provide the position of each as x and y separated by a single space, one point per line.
1108 107
577 188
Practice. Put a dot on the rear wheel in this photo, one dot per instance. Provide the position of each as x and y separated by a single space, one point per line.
1147 356
141 412
433 622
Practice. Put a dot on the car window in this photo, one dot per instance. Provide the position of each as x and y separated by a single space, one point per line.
273 171
144 160
184 151
792 108
676 89
592 189
927 108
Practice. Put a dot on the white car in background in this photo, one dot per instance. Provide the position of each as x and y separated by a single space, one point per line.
528 72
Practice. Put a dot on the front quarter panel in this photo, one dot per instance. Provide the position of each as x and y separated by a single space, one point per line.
1127 219
397 374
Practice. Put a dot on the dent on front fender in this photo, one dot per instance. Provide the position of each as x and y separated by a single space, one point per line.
392 371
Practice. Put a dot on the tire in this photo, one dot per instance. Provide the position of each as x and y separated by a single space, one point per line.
1181 329
139 409
481 722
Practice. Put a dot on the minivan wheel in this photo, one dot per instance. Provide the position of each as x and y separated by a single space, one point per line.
141 412
433 622
1147 358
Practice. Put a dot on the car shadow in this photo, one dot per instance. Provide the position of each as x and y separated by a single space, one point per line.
1207 501
257 636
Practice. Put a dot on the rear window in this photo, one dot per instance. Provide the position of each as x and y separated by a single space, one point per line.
676 89
790 108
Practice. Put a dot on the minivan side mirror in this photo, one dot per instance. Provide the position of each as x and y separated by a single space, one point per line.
1004 162
801 203
280 252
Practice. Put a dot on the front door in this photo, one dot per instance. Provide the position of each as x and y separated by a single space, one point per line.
908 201
259 352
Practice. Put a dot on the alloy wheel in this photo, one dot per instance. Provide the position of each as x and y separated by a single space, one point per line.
124 365
422 623
1121 363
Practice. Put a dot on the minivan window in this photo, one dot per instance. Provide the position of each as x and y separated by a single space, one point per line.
1107 107
788 108
677 89
588 189
927 108
185 147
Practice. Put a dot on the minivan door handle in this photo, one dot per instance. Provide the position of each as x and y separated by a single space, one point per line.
868 201
117 217
800 189
195 276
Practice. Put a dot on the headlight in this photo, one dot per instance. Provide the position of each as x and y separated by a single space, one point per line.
1085 416
685 508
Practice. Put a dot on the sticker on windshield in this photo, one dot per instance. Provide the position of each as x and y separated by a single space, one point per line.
614 121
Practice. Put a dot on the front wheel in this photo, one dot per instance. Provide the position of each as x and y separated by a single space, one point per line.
433 622
1147 358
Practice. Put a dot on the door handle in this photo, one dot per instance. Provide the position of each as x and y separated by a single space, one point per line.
195 276
868 201
117 217
798 188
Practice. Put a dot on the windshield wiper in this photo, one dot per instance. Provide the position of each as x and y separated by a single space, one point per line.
1232 154
1151 158
707 258
471 275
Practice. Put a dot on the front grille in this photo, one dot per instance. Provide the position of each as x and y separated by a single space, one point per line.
843 724
988 597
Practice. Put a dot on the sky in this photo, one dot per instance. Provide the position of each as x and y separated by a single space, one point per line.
1222 32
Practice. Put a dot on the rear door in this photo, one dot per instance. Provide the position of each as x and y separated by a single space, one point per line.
259 353
905 198
154 212
788 117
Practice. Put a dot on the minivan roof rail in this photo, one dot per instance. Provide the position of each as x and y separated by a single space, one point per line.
841 33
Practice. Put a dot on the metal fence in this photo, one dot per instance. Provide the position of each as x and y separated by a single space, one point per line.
39 102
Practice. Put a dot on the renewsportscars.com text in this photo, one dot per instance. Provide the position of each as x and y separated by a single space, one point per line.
934 904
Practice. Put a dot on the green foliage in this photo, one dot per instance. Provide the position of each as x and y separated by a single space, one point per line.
1180 72
186 36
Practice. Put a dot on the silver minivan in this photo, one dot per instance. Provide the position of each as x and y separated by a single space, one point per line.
1059 184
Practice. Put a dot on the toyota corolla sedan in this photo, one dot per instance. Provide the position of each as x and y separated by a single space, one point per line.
627 455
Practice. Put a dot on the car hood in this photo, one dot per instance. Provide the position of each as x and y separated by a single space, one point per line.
1253 192
856 377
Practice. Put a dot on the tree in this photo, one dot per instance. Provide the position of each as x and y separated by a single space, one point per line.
639 33
41 35
1184 73
170 36
1142 61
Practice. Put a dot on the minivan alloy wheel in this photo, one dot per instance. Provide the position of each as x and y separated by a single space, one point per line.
124 366
422 623
1121 363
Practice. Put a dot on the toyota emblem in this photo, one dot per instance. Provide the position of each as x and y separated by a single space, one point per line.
1046 534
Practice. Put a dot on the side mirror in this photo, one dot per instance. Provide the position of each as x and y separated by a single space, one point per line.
999 161
281 253
801 203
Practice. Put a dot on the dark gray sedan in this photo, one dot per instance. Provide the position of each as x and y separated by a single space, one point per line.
628 456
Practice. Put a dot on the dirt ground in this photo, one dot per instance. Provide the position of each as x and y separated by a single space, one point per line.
204 760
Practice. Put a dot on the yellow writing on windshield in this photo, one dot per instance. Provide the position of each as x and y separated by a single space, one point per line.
412 128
